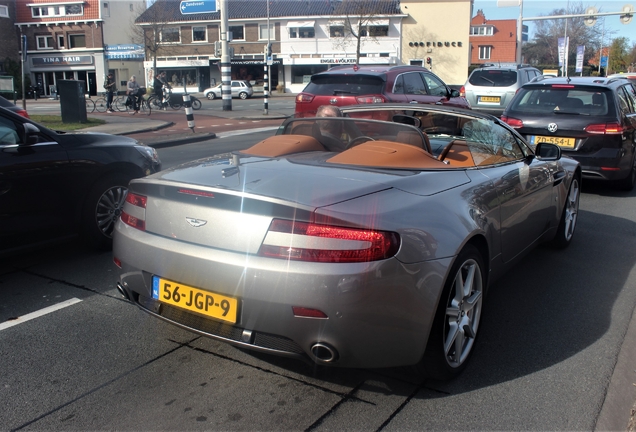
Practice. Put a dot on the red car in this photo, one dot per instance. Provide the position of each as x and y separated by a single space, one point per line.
351 85
4 103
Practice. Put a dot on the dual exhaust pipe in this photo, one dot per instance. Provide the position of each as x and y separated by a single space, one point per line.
324 353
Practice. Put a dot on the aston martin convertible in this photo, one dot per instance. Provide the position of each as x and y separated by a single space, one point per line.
365 240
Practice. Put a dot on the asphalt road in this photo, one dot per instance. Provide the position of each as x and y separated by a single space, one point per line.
551 333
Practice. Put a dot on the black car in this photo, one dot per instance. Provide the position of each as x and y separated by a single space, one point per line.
592 119
4 103
56 185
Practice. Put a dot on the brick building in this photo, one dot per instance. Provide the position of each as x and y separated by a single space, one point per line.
9 40
492 41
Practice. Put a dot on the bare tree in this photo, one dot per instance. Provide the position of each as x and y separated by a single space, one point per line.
355 21
149 29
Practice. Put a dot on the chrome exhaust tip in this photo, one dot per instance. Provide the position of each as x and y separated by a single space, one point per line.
122 291
324 353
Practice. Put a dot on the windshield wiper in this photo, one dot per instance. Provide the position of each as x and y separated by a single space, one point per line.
486 79
337 92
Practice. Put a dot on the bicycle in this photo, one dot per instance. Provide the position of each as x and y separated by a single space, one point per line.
90 105
144 106
119 102
100 104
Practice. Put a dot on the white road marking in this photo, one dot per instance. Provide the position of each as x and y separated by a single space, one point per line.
245 132
5 325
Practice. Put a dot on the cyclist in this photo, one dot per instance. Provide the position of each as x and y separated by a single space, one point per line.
109 86
133 93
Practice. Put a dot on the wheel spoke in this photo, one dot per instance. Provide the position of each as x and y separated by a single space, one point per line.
472 301
468 282
453 330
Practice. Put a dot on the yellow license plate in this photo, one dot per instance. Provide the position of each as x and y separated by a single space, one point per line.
494 99
196 300
560 141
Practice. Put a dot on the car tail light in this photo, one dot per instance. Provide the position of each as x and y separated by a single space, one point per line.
568 86
462 92
308 313
515 123
302 241
370 99
304 98
135 213
23 113
604 129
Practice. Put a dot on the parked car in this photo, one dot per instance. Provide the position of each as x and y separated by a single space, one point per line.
4 103
592 119
240 89
375 256
627 75
56 185
349 85
491 87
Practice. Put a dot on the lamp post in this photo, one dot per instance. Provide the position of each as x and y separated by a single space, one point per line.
520 32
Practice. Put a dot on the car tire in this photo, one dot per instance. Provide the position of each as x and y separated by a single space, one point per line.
627 184
243 95
567 224
457 318
103 208
211 96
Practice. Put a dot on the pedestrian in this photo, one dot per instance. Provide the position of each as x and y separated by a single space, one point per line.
109 86
132 90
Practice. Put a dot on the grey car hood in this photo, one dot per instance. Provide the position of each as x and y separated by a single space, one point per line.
306 179
87 138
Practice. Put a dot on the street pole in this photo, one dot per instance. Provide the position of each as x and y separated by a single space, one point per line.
23 41
226 65
567 44
266 80
600 54
520 32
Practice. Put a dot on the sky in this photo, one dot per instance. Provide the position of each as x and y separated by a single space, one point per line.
534 8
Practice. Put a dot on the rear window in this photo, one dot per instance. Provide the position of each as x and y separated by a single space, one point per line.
333 85
561 101
493 78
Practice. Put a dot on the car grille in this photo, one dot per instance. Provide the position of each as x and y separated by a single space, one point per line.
216 328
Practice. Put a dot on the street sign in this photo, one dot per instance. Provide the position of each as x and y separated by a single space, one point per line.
604 61
197 7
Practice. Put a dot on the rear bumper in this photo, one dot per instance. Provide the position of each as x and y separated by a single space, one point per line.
606 164
379 314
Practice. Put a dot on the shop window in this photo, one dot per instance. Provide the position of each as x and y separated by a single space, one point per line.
4 11
199 34
263 34
76 41
60 42
170 35
238 32
374 30
484 52
45 42
336 31
301 74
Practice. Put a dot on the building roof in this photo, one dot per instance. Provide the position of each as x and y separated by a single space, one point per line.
168 10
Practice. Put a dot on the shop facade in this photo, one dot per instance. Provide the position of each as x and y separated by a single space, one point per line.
46 70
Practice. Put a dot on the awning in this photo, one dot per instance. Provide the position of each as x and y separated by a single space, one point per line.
294 24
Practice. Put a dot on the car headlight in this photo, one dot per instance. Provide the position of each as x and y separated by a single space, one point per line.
149 152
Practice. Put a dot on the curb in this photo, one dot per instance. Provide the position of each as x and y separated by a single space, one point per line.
148 129
181 139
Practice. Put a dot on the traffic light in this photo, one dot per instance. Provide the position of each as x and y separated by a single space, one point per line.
429 60
269 50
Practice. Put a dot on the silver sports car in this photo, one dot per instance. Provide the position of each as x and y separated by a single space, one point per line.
366 240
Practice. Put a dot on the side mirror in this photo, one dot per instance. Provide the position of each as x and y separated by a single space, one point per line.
454 93
30 134
547 152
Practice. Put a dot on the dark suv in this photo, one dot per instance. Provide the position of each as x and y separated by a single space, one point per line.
350 85
592 119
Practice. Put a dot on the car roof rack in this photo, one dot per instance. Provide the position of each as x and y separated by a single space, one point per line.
505 65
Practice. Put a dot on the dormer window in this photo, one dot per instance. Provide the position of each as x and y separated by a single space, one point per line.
39 10
482 30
